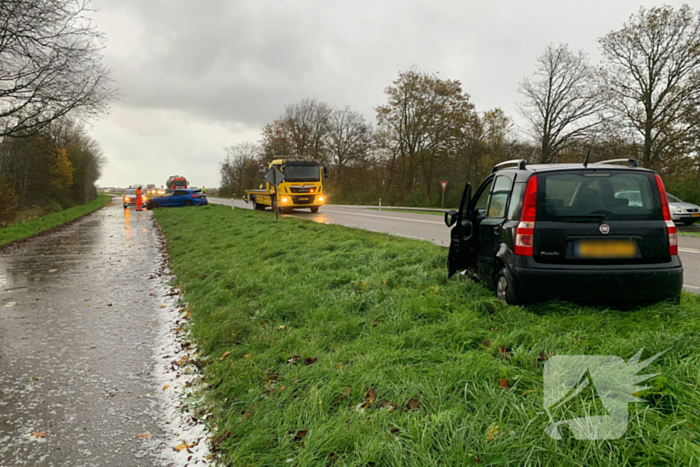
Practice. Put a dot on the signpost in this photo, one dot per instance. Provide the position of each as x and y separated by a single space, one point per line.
444 186
274 177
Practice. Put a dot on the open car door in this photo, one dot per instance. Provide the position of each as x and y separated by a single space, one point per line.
461 250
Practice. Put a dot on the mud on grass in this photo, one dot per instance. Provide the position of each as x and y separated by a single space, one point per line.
331 345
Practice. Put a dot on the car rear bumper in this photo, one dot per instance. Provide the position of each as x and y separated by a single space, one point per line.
618 284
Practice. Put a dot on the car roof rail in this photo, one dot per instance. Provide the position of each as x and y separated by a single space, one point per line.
631 161
519 163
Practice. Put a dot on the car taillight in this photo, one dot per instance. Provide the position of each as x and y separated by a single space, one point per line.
525 232
670 226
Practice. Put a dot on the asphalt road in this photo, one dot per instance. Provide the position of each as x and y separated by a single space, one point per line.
432 228
81 326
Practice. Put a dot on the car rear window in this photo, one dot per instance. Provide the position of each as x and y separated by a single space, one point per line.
594 195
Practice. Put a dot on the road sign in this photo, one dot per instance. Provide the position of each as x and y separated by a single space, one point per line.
443 185
274 176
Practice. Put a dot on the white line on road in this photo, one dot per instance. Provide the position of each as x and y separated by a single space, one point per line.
688 250
386 217
691 286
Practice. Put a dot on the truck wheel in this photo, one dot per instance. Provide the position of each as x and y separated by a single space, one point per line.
314 209
505 291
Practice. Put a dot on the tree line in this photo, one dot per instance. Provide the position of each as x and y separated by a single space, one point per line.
51 79
641 101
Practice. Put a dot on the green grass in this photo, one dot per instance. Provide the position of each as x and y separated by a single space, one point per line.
688 233
374 314
37 225
442 213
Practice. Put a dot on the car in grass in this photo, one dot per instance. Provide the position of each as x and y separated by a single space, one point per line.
178 198
535 232
687 213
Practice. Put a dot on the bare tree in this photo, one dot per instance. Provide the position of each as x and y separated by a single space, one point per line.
50 64
240 168
306 123
650 69
349 137
563 102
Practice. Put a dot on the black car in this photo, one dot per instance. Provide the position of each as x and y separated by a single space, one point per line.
535 232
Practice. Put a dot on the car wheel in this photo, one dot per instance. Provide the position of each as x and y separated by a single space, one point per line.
314 209
189 202
504 288
126 206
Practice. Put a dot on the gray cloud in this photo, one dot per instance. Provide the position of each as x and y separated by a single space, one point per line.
233 65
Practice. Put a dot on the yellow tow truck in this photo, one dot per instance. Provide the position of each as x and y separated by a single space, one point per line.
302 186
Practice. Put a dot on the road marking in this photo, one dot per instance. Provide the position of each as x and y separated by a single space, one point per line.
691 286
688 250
387 217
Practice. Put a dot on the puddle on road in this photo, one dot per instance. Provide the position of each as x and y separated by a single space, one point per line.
81 361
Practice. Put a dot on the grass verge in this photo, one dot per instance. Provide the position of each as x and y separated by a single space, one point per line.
41 224
329 345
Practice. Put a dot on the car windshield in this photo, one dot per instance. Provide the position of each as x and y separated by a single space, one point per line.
594 196
130 192
302 173
672 198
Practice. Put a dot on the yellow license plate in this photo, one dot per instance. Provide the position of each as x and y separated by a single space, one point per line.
605 249
695 215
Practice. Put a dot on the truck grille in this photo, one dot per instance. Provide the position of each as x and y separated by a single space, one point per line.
303 199
301 189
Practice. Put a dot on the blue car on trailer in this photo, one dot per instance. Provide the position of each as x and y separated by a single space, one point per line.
178 198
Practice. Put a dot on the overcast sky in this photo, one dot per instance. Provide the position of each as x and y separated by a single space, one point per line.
196 76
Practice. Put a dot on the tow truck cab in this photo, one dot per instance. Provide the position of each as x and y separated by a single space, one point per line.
302 186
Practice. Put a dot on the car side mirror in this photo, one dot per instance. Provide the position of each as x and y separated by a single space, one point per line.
450 217
325 172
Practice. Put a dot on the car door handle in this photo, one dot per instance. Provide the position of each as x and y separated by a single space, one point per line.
497 229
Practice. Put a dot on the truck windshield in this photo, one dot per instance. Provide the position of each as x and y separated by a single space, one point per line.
302 173
179 182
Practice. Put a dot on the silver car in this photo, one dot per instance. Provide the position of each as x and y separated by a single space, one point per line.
681 211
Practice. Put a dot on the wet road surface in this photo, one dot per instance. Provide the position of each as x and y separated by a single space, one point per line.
432 228
79 326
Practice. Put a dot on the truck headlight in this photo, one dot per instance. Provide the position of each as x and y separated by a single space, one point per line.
284 200
320 198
